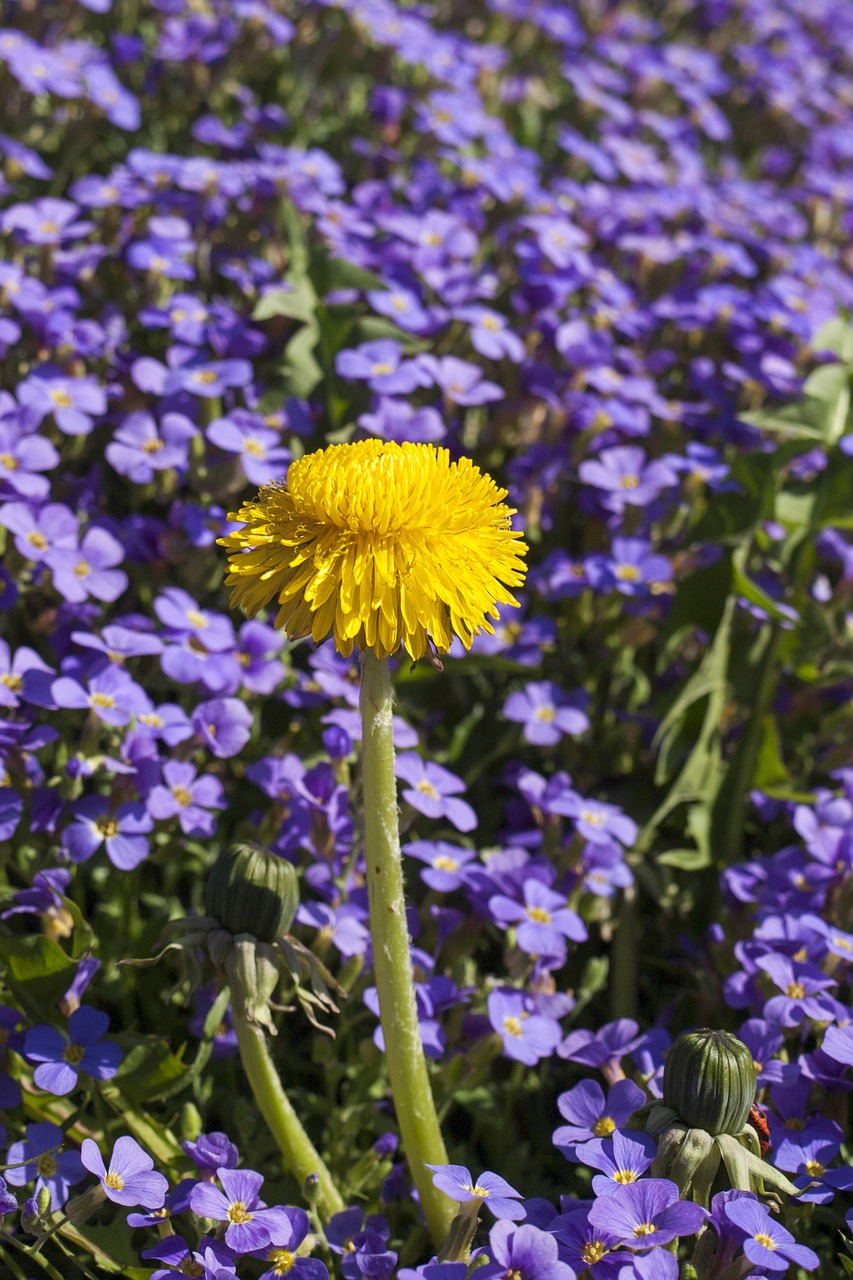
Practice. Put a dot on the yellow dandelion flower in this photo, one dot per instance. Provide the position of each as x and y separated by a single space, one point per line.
379 544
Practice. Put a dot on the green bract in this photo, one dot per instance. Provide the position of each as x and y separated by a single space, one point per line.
250 890
709 1081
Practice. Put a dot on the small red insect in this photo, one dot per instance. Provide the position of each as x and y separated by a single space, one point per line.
758 1121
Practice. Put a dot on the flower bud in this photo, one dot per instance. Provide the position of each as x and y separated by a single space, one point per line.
250 890
709 1081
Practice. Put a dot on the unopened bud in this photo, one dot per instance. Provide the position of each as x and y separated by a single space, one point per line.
250 890
709 1081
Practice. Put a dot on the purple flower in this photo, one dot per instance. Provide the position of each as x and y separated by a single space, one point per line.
381 364
139 449
210 379
74 402
61 1060
802 987
626 479
184 795
594 820
433 789
586 1246
123 831
632 568
110 693
260 450
45 221
524 1253
224 725
36 536
211 1261
767 1244
622 1159
89 570
398 420
490 334
527 1036
591 1115
546 713
57 1170
211 1152
250 1223
286 1235
129 1179
456 1182
647 1213
461 382
543 922
445 863
20 457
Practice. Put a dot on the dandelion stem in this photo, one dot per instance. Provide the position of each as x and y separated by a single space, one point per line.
392 961
300 1155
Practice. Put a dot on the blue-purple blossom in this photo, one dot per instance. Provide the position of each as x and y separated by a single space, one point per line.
647 1213
130 1179
61 1059
497 1195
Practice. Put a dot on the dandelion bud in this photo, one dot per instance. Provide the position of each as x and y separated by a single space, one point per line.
709 1081
250 890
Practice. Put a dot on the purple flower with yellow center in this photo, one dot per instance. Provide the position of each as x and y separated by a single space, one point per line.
489 1189
46 221
210 1261
140 447
61 1059
123 831
591 1115
250 1223
802 987
542 923
433 790
130 1179
21 456
224 725
13 673
622 1159
546 712
88 570
37 535
595 820
446 863
491 335
527 1036
461 382
524 1253
210 379
286 1236
766 1243
632 569
382 366
261 453
626 478
586 1247
74 402
111 694
647 1213
184 795
39 1156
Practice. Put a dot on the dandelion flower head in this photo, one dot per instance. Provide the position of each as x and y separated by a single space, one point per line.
380 544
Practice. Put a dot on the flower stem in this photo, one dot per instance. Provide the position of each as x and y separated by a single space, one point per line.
392 961
300 1155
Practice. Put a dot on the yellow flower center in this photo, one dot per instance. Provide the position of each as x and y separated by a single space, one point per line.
206 376
114 1182
46 1166
82 569
627 572
107 826
593 1251
195 618
282 1260
9 461
603 1127
237 1212
382 367
539 915
490 322
182 796
151 719
645 1229
37 540
545 713
73 1053
61 399
427 789
103 700
189 1267
624 1176
480 1192
445 863
381 545
153 446
766 1240
512 1026
254 448
795 991
12 681
593 817
815 1169
629 482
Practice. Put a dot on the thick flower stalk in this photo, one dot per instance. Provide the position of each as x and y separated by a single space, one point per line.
383 546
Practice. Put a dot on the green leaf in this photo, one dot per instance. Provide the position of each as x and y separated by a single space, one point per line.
148 1069
827 382
37 971
802 420
301 369
755 595
684 859
770 770
328 274
298 302
835 336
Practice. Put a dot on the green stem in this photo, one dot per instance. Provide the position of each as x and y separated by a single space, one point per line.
392 961
301 1156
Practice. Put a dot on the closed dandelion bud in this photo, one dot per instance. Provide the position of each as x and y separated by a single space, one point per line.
250 890
709 1081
